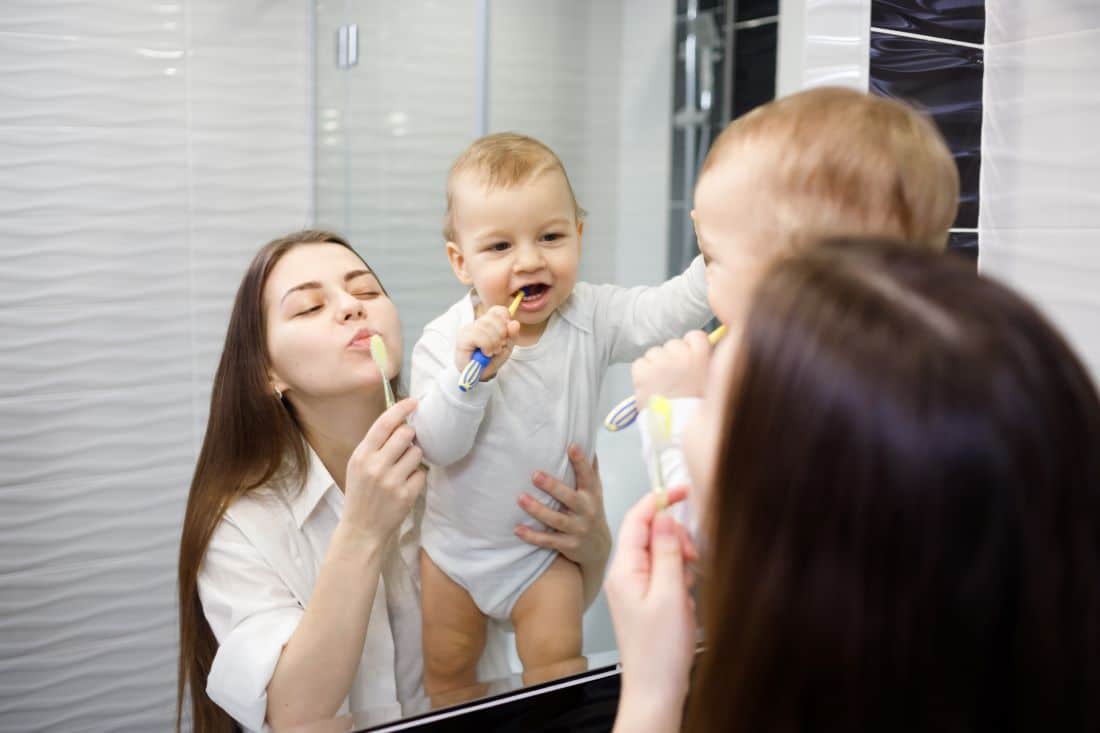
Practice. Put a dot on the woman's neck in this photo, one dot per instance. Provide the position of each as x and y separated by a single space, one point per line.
334 426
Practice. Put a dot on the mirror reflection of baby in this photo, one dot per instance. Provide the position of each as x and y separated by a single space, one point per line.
513 223
825 162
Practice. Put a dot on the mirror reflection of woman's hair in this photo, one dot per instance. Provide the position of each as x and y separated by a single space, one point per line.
252 437
905 520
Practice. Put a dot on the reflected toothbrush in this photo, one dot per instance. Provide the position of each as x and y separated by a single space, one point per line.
471 375
660 430
625 413
382 361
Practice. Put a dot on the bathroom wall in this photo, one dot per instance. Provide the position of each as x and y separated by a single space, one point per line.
147 148
1040 182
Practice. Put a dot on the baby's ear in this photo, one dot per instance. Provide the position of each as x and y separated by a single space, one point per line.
580 227
458 263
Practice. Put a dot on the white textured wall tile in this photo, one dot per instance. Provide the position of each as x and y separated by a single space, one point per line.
269 89
90 604
144 22
267 26
70 172
837 41
74 437
127 682
1040 215
76 82
133 192
84 511
73 347
1015 20
1040 151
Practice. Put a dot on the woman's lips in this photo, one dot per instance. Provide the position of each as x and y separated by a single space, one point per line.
361 339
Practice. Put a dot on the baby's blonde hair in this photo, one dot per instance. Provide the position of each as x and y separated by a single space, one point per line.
838 162
503 159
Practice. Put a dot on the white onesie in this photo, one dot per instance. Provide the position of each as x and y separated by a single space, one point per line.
484 445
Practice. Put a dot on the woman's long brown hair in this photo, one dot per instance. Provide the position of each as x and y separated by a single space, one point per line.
905 520
251 438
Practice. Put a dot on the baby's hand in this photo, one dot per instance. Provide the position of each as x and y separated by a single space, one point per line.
492 333
677 369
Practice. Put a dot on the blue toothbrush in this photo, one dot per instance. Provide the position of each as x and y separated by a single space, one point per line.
471 375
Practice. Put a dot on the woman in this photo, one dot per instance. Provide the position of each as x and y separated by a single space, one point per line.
900 466
297 575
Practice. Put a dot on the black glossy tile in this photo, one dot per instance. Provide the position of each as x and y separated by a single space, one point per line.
752 9
959 20
964 244
755 51
946 81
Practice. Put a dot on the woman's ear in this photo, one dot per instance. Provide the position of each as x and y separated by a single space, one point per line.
278 386
458 263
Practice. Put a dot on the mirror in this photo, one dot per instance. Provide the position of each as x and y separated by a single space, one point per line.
151 148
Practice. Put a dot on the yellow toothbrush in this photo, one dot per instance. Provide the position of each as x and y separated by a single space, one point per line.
382 361
471 375
625 413
660 433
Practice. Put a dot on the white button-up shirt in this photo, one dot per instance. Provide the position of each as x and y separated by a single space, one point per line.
256 580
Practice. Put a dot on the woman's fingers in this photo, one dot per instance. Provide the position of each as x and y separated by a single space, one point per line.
556 489
588 477
408 462
550 517
384 426
396 445
549 540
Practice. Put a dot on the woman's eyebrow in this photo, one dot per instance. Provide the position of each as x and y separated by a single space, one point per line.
311 285
314 285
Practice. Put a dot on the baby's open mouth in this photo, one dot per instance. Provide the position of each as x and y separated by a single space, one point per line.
531 292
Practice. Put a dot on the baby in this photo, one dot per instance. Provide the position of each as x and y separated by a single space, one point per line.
513 224
821 163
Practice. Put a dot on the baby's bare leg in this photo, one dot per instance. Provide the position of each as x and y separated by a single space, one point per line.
547 621
453 631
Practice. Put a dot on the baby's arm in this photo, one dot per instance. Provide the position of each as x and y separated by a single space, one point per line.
447 419
634 319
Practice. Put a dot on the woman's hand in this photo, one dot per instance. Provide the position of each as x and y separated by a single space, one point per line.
579 531
653 614
384 477
677 369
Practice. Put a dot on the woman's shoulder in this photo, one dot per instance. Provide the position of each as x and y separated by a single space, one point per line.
262 509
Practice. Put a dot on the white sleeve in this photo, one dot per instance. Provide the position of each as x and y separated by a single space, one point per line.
673 466
252 614
635 319
446 419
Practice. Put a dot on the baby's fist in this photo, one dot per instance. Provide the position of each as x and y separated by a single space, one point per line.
677 369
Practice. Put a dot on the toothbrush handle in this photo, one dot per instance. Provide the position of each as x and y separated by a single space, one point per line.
622 415
471 375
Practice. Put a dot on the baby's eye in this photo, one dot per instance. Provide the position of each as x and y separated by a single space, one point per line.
499 246
552 236
367 294
307 311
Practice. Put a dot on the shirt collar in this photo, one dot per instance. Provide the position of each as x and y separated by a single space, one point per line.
318 482
576 314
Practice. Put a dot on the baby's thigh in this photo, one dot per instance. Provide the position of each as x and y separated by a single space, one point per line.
552 606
